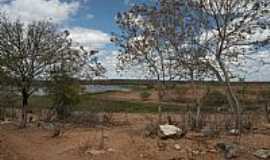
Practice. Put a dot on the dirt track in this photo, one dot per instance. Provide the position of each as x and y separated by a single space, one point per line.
121 143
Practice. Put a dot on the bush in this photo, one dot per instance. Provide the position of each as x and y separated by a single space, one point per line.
145 95
65 93
214 98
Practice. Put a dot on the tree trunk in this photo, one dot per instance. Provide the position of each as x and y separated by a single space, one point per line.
159 105
24 108
267 112
236 106
233 101
232 98
197 104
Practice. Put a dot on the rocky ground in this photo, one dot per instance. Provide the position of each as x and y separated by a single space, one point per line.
126 139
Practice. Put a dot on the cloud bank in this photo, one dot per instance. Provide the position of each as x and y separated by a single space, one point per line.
34 10
92 39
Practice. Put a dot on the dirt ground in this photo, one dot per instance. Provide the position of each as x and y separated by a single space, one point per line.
122 141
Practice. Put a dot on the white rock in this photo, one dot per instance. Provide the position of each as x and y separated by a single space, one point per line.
95 152
169 131
262 153
234 131
177 147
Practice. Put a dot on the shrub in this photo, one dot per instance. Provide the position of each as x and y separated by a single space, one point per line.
145 95
214 98
65 93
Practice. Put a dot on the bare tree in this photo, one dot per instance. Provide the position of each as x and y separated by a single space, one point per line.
228 33
148 35
31 52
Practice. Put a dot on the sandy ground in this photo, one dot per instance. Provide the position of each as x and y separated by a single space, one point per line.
121 142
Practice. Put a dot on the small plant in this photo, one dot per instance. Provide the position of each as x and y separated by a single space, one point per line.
214 98
145 95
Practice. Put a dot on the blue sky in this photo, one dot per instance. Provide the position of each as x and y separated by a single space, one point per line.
99 14
90 23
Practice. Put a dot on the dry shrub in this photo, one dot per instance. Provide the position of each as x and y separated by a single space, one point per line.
151 130
89 119
86 119
108 118
214 98
145 95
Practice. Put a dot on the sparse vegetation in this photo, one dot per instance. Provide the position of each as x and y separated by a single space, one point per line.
145 95
215 98
194 102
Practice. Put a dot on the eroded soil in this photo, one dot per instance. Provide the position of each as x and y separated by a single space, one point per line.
121 142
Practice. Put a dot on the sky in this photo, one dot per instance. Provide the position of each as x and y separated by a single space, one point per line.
90 23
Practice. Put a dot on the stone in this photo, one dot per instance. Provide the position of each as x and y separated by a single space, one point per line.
150 130
234 132
266 125
56 133
111 150
95 152
212 151
5 122
208 132
262 153
169 131
230 150
195 152
177 147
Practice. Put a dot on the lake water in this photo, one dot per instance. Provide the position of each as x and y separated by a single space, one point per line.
105 88
89 89
92 89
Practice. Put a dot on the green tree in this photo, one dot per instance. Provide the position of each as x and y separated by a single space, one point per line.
32 52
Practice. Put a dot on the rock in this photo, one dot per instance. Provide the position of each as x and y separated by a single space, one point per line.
234 132
95 152
195 152
208 132
212 151
177 147
150 130
111 150
262 153
176 158
266 125
6 122
169 131
230 150
56 133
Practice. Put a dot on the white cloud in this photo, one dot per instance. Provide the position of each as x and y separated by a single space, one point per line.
33 10
109 61
89 38
90 16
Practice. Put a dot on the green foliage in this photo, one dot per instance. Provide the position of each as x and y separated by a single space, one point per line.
65 93
214 98
145 95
